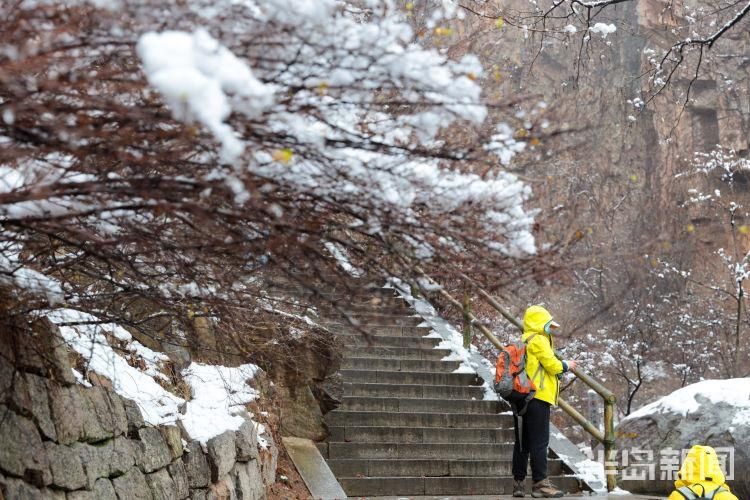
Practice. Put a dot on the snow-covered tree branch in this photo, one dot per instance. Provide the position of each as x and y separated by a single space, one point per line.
679 54
177 158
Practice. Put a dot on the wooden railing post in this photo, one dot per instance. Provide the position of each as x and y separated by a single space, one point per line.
594 413
610 446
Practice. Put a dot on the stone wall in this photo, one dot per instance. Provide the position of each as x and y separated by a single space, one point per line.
61 440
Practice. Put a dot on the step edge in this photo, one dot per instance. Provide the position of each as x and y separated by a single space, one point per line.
423 399
486 446
452 477
405 359
392 371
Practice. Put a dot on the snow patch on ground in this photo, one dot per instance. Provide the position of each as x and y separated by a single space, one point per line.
219 394
80 379
619 491
89 340
590 471
489 393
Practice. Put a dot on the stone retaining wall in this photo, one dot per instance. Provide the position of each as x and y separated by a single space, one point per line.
60 440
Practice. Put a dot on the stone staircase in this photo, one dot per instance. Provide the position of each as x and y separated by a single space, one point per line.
408 425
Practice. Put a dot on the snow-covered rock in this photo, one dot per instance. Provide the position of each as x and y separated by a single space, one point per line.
712 412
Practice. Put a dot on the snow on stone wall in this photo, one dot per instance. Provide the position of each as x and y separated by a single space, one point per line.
62 439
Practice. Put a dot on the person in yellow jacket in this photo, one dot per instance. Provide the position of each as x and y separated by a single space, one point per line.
701 477
544 368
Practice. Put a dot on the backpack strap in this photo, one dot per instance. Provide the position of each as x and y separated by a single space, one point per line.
519 424
541 379
539 370
521 410
687 493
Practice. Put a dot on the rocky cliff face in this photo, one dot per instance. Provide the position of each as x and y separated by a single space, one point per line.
60 439
300 359
614 172
608 187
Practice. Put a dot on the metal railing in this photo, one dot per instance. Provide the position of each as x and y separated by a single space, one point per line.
606 438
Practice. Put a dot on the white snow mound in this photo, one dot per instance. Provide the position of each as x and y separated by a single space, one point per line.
734 392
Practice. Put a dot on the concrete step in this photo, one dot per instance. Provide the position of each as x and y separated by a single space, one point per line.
346 418
383 316
314 290
343 301
430 468
380 330
419 405
477 451
374 319
375 306
414 391
346 299
389 341
420 435
401 486
399 365
396 353
425 378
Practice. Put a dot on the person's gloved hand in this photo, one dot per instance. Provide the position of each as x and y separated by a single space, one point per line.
570 364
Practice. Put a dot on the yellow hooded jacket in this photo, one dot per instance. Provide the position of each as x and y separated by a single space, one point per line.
542 365
701 473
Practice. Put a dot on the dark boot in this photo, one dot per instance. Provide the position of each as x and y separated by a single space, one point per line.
519 489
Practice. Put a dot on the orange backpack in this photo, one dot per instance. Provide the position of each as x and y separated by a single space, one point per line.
511 382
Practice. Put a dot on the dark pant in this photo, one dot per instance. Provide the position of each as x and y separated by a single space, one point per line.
535 442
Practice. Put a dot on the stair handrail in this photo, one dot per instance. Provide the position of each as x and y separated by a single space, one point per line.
606 438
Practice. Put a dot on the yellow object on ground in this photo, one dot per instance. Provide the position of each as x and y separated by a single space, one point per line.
701 474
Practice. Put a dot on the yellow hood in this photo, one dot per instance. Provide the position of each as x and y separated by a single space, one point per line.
701 464
542 365
534 320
